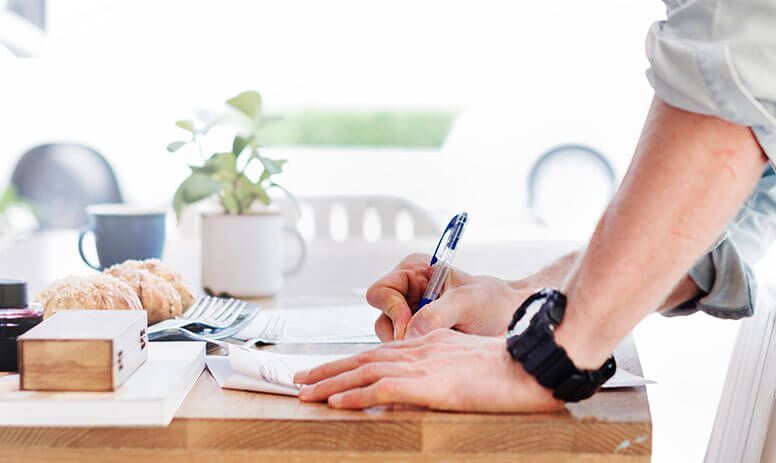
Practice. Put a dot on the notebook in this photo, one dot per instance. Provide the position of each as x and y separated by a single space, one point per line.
249 369
313 325
150 397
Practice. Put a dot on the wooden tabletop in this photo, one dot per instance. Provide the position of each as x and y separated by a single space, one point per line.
236 426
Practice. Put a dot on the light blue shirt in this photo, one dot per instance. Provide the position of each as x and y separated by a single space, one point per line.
718 57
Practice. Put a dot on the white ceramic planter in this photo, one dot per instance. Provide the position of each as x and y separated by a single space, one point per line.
242 255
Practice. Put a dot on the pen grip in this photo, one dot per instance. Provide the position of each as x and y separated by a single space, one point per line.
435 285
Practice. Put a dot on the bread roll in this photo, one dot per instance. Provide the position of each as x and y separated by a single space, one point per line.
157 296
96 292
174 278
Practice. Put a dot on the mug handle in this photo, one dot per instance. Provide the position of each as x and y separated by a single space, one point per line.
81 236
302 250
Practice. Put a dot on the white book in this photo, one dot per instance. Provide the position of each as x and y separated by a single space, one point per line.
249 369
150 397
313 325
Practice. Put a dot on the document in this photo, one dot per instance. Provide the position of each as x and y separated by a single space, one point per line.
250 369
313 325
256 370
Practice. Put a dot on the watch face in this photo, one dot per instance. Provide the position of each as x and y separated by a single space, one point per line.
522 324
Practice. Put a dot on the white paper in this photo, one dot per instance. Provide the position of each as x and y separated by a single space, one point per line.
624 378
262 371
150 397
314 325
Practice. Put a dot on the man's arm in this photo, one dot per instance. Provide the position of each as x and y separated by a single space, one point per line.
555 275
689 176
481 305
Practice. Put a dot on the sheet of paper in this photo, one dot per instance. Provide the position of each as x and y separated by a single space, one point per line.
261 371
227 378
624 378
314 325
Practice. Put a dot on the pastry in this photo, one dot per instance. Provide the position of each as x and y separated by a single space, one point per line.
158 297
97 292
155 266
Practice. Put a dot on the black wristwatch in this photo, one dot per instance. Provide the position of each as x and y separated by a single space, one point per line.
536 350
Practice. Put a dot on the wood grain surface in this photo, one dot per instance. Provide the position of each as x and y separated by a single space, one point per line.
62 366
215 425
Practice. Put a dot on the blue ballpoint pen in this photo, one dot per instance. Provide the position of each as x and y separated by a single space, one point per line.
442 261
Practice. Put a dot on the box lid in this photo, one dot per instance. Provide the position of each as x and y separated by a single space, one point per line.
85 324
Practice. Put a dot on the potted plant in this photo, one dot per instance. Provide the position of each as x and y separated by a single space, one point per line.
241 244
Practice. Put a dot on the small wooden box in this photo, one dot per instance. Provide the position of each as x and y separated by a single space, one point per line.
83 350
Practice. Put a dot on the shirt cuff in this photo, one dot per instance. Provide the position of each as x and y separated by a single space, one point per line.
727 282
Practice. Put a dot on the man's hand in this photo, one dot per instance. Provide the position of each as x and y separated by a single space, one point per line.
428 372
473 304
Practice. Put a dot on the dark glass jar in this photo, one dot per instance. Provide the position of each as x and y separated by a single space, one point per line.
16 317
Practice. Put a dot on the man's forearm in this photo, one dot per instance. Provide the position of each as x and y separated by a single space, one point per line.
689 176
555 275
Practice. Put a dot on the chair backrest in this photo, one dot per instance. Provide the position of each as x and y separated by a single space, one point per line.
745 407
347 218
60 180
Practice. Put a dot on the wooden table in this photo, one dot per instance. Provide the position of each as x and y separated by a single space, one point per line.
215 425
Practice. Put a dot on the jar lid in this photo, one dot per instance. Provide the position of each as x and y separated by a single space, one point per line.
13 294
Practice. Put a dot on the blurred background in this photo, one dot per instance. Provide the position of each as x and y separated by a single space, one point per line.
524 114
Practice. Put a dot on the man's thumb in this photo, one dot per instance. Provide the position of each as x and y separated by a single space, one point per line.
431 317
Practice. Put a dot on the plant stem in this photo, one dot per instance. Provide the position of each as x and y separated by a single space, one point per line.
199 147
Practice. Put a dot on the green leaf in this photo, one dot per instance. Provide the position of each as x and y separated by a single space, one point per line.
261 193
175 146
8 198
195 187
248 103
231 204
240 143
272 166
222 166
187 125
244 192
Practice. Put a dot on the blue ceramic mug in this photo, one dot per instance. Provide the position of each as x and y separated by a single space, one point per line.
123 232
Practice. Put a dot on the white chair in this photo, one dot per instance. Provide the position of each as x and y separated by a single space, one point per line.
741 428
352 218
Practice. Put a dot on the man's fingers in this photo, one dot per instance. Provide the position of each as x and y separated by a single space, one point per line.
393 293
340 366
412 391
445 312
360 377
412 345
384 328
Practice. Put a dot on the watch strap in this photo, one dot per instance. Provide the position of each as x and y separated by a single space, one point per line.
539 354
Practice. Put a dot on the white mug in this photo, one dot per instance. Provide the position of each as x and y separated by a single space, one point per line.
242 255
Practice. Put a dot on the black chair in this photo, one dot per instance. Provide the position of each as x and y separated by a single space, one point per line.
60 180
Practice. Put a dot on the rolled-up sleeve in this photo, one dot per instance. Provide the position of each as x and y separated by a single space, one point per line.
718 57
724 274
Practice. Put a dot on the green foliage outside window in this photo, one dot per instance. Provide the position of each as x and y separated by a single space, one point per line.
407 129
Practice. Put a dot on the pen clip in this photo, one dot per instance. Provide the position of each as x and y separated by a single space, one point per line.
455 225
